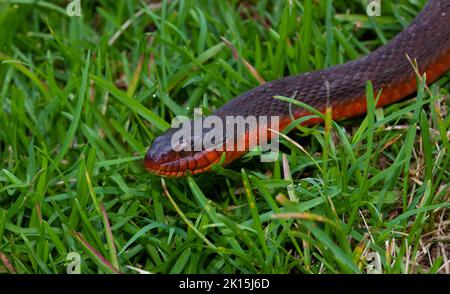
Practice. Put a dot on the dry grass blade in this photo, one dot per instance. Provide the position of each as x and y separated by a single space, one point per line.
7 263
247 65
98 257
129 22
304 216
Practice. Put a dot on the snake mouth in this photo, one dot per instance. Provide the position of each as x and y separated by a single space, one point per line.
172 159
164 160
178 164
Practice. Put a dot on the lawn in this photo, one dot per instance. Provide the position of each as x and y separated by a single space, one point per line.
81 99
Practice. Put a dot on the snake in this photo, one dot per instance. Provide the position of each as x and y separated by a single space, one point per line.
426 40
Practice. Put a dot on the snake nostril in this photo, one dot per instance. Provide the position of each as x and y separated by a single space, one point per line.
149 156
150 162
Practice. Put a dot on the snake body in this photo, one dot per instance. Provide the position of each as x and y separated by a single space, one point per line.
426 40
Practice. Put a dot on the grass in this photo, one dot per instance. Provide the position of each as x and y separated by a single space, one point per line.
82 98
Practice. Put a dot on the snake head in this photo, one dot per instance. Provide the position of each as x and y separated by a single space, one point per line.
195 146
175 158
